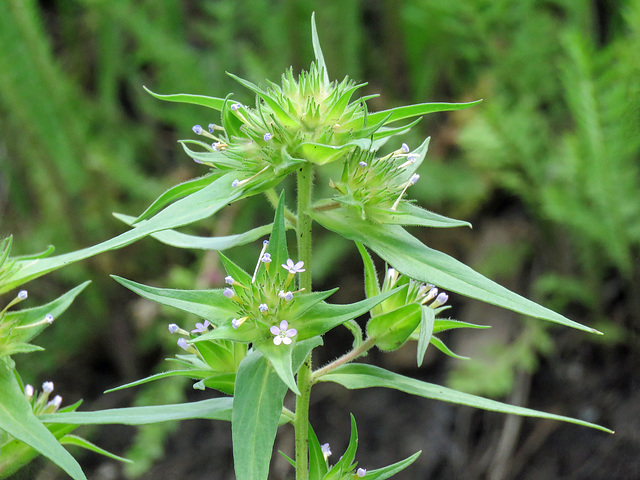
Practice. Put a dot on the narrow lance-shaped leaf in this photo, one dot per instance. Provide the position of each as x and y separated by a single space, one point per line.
259 395
357 376
414 259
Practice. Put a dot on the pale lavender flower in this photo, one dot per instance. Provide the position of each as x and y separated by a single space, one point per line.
23 294
201 327
47 387
197 129
283 334
228 292
404 148
293 268
326 450
182 343
414 178
55 403
48 318
228 280
235 183
266 258
235 106
263 307
267 136
287 296
361 472
441 299
173 328
362 163
211 127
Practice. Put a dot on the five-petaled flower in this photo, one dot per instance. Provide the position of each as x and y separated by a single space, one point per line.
293 268
283 334
201 327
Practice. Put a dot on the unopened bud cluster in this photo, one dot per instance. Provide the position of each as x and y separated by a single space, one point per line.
40 402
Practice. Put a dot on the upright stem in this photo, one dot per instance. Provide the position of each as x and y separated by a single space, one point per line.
303 230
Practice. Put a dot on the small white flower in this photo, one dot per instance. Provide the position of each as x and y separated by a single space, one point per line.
283 334
28 391
235 183
263 307
23 294
47 387
235 106
285 295
267 136
228 292
293 268
362 163
414 178
197 129
266 258
361 472
173 328
405 148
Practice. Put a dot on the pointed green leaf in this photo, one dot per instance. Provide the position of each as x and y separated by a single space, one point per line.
182 240
427 321
211 409
414 259
408 111
209 102
259 395
18 420
192 208
409 214
391 470
440 345
356 376
317 463
87 445
209 304
175 193
317 51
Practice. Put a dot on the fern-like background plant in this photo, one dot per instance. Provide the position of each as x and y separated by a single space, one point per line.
546 169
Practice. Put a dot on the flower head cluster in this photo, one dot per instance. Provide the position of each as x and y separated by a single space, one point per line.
14 329
372 184
416 292
40 403
264 302
306 118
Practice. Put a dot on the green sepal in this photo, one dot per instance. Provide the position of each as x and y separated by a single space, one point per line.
440 345
392 329
427 322
233 270
210 157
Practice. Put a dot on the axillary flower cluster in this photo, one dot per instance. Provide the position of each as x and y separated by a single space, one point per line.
14 335
263 304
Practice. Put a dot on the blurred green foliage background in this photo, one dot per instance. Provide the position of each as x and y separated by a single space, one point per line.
546 168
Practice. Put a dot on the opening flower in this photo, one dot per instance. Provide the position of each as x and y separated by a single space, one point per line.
361 472
201 327
293 268
326 450
283 334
